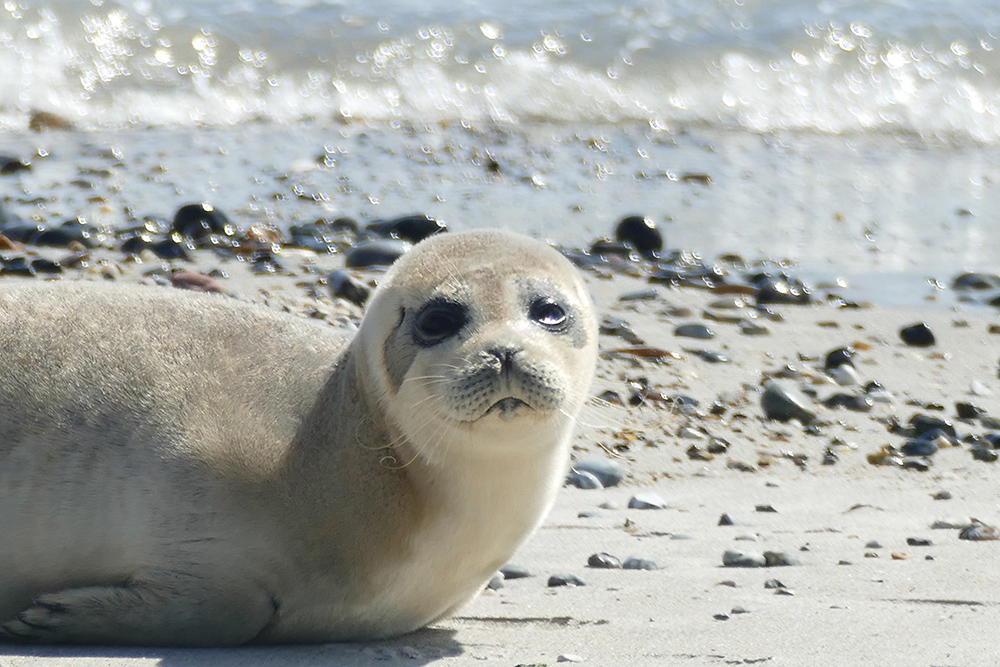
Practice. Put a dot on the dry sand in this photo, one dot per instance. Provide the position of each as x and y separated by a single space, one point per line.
933 605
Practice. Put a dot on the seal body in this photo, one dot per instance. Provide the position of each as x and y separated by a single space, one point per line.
185 469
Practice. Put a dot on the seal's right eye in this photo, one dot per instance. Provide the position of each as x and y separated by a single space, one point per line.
439 321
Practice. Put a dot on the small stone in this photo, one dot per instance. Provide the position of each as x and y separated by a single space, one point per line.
647 500
840 357
737 558
343 285
511 571
568 657
604 561
412 228
773 584
588 514
720 617
917 335
196 282
778 559
919 448
845 375
739 610
727 520
690 434
951 523
784 591
565 580
977 388
380 252
582 479
900 555
641 233
978 531
699 331
608 471
198 221
636 563
496 582
765 508
873 544
942 495
781 401
918 542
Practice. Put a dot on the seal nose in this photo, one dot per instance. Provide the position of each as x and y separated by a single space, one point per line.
505 355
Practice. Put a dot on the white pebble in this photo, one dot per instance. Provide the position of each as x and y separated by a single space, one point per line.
569 657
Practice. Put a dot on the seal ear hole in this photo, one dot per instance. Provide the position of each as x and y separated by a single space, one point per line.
549 313
438 321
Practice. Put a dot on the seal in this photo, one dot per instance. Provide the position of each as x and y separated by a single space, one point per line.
181 469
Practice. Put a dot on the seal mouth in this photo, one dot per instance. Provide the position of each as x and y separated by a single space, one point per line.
508 407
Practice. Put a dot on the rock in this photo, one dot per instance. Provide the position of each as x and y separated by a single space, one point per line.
565 580
727 520
46 120
779 291
873 544
977 388
604 561
568 657
925 424
917 335
608 471
773 584
974 281
842 356
495 582
512 571
412 228
382 252
582 479
198 221
918 542
919 447
641 233
968 410
942 495
951 523
778 559
615 326
647 500
699 331
196 282
845 375
781 401
737 558
978 531
343 285
636 563
10 165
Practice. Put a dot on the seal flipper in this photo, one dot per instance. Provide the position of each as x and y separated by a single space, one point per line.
143 614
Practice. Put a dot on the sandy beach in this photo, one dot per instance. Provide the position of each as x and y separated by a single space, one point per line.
845 601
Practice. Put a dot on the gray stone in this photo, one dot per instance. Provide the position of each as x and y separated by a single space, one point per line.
782 402
647 500
608 471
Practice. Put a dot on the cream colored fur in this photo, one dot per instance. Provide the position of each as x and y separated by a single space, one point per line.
184 469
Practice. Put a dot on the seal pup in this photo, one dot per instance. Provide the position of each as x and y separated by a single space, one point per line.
180 469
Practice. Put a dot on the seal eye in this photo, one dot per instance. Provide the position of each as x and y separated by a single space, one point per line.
548 313
439 321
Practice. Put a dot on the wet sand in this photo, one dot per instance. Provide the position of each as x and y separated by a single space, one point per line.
931 605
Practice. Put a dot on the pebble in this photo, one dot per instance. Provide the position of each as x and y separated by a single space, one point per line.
727 520
412 228
496 582
196 282
737 558
919 448
778 559
782 402
977 388
641 233
198 221
873 544
951 523
512 571
381 252
968 410
636 563
942 495
343 285
773 584
604 561
615 326
978 531
918 542
647 500
589 514
842 356
608 471
699 331
582 479
568 657
924 424
565 580
845 375
779 291
917 335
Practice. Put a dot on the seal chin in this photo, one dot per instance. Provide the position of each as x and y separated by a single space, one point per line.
509 407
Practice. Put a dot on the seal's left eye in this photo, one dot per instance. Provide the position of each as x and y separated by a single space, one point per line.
548 313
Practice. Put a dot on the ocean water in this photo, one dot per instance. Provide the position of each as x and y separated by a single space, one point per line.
926 67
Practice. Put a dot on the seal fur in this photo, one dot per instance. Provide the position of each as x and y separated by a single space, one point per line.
189 470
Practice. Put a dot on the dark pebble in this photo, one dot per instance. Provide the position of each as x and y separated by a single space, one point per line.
984 454
511 571
849 401
773 584
412 228
968 411
565 580
198 221
781 401
919 447
345 286
942 495
604 561
780 291
170 249
974 281
20 231
922 425
641 233
13 165
918 542
615 326
699 331
917 335
66 233
381 252
978 531
636 563
778 559
765 508
727 520
43 265
17 266
839 357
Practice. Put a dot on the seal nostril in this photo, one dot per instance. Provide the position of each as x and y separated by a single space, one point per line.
505 355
